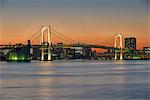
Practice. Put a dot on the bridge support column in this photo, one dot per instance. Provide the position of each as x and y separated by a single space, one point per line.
120 46
49 54
42 54
121 56
115 55
46 45
46 51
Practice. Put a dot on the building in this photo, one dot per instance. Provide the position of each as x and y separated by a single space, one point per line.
130 43
146 50
19 53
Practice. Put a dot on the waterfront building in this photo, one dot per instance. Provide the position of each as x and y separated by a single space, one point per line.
19 53
130 43
146 50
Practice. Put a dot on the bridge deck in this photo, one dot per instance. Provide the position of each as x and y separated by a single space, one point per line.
63 45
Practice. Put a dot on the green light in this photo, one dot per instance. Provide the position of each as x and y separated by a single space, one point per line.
15 58
12 56
22 58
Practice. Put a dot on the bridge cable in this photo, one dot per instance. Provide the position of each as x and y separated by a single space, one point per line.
61 37
37 32
66 36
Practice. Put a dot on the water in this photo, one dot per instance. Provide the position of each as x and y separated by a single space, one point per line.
75 80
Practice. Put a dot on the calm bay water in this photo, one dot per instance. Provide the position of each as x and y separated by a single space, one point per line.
75 80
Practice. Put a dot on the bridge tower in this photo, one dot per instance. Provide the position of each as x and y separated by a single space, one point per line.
46 44
120 45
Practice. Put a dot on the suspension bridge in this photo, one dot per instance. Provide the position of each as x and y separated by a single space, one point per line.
43 39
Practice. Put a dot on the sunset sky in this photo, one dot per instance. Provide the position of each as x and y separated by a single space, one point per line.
91 21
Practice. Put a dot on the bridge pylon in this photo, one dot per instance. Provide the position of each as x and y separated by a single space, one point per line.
120 46
46 44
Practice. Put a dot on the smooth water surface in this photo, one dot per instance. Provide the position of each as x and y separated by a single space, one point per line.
75 80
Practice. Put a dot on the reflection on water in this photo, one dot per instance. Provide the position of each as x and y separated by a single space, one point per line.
75 80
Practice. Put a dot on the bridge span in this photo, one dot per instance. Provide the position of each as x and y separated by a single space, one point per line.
44 37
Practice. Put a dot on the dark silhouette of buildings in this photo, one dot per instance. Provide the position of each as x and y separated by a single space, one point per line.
130 43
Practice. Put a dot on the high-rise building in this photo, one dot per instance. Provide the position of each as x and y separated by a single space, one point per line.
130 43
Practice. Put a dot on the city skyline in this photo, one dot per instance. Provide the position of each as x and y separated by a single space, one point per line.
94 19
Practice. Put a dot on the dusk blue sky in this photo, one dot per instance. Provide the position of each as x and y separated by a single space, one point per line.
94 19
